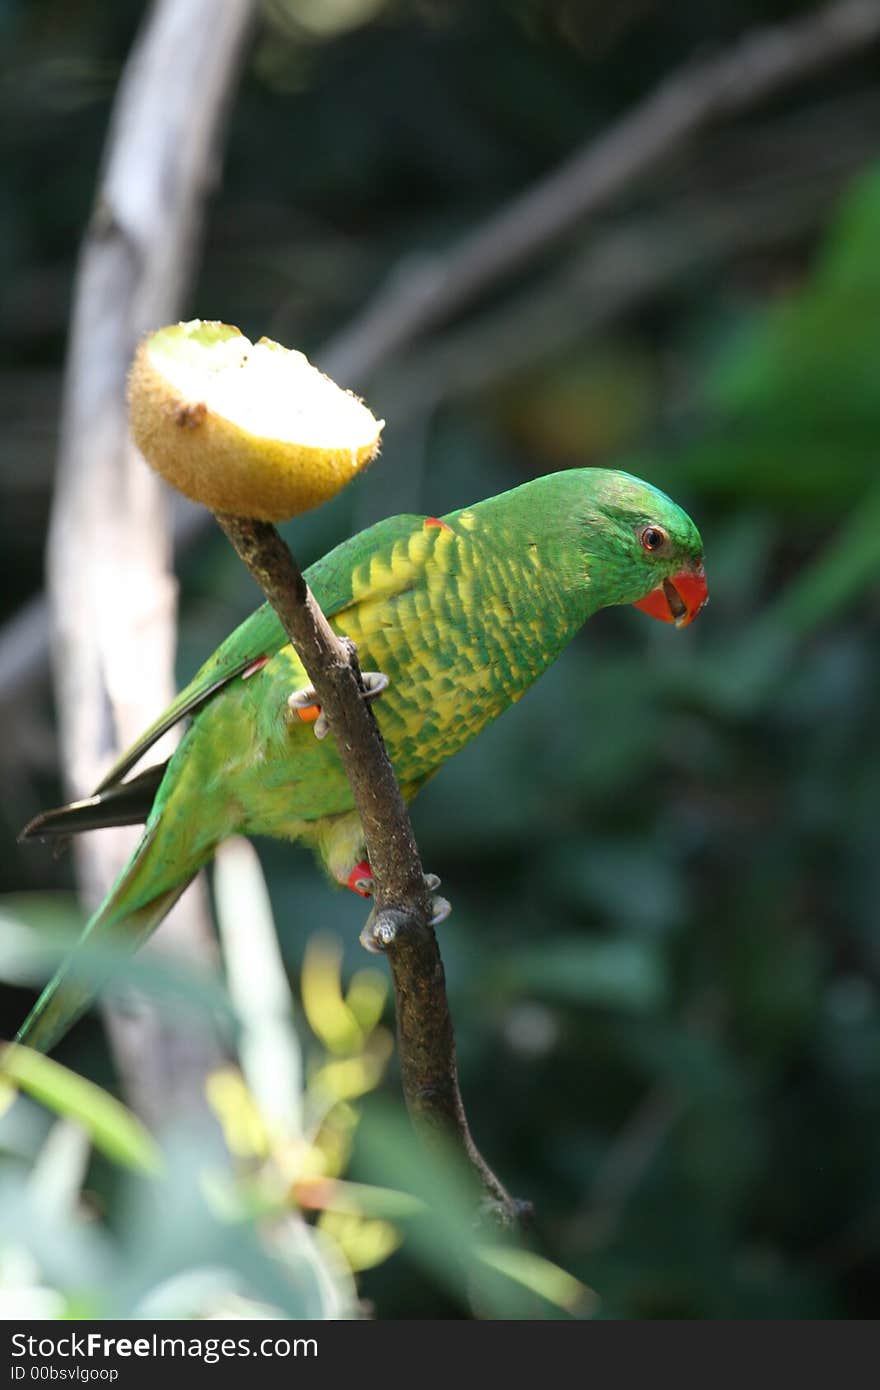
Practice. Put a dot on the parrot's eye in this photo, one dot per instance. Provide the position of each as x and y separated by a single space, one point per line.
653 537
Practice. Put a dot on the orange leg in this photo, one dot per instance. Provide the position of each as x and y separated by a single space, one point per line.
304 705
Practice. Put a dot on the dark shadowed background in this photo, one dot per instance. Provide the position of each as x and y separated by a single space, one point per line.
664 863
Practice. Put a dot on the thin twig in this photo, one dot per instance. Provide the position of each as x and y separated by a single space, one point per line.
400 920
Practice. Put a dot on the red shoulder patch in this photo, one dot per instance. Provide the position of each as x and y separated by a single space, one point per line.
435 521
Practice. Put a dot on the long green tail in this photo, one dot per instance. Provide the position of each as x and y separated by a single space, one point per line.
66 999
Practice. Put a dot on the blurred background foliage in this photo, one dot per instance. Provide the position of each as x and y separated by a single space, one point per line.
665 863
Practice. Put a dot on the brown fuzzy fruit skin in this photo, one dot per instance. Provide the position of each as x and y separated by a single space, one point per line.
222 464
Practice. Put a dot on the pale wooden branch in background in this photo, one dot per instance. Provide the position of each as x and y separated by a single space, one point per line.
111 589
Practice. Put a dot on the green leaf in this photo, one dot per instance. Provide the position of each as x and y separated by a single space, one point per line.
268 1046
35 940
111 1127
541 1277
446 1227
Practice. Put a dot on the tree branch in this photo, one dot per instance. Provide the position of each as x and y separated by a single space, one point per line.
399 924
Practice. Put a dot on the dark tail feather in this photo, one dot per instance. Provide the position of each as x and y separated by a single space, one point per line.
126 803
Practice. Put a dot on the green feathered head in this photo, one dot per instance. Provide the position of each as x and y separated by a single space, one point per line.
611 538
641 546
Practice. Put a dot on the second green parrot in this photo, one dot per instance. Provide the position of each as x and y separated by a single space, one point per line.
460 614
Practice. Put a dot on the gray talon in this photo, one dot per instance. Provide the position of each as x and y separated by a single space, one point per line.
366 937
375 683
441 908
384 933
380 930
301 699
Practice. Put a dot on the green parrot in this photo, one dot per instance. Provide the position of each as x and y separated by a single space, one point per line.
456 616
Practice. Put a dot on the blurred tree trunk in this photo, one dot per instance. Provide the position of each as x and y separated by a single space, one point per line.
112 593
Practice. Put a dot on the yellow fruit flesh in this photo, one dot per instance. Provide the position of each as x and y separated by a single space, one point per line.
248 428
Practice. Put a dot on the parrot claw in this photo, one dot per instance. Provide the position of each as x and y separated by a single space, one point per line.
375 684
360 881
381 930
383 926
304 703
440 909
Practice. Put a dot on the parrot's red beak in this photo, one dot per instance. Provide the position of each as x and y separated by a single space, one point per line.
679 599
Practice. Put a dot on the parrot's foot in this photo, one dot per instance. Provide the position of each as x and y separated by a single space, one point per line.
360 881
440 910
304 703
381 930
384 925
